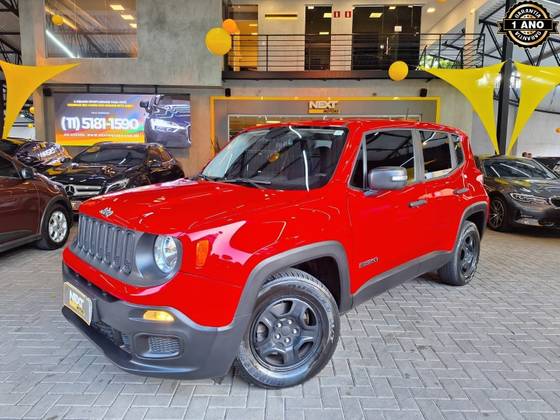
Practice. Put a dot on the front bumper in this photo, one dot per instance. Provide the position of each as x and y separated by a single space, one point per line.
179 349
535 215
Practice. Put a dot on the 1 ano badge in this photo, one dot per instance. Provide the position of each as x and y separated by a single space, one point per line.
528 24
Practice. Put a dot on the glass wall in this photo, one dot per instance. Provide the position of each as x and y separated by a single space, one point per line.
384 34
91 28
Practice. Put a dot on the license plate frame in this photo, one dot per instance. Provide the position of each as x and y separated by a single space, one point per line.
78 302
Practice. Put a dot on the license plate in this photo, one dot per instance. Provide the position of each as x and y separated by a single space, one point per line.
76 205
77 302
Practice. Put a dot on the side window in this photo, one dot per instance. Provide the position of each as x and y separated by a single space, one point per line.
437 154
7 169
385 148
458 147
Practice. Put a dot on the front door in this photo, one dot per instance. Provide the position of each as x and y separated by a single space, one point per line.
390 228
18 204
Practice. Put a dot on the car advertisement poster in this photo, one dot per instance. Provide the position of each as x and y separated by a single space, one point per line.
83 119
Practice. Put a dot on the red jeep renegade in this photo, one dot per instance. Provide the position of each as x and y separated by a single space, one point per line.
285 229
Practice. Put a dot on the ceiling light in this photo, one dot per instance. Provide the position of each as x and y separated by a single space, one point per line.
392 7
431 10
375 15
253 25
133 25
117 7
324 33
311 7
127 17
327 15
254 33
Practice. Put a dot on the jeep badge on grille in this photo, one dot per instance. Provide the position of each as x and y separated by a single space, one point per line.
107 211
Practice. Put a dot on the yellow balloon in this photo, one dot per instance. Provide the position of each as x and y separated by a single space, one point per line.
231 26
218 41
57 20
398 71
558 131
441 1
32 109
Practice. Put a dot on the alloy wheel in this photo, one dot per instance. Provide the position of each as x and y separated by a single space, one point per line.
468 255
286 334
497 214
58 226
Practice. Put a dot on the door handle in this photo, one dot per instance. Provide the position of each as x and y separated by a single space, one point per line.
461 191
417 203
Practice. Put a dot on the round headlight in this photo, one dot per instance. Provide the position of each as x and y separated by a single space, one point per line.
166 253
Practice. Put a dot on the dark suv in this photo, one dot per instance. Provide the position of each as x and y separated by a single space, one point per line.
109 167
289 226
32 208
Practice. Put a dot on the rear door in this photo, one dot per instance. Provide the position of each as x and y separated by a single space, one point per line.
389 227
19 211
443 160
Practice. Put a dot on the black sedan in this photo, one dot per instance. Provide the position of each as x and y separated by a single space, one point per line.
109 167
40 155
522 193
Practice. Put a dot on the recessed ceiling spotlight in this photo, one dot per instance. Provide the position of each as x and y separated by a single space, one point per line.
133 25
375 15
117 7
392 7
431 10
127 17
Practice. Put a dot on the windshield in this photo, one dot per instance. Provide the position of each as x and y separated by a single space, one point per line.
510 168
112 155
291 158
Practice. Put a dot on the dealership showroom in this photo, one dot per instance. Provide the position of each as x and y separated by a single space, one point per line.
280 209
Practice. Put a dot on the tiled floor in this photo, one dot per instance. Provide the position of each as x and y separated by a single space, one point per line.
424 350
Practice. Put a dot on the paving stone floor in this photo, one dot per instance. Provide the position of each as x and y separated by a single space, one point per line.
422 351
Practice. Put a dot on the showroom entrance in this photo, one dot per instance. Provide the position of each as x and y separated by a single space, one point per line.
230 115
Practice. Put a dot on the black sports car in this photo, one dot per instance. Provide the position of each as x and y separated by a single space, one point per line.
522 192
40 155
109 167
552 163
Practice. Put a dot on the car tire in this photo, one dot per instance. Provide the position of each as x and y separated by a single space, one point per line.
292 334
55 229
499 218
462 267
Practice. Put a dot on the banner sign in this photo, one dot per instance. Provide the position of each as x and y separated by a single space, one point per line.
83 119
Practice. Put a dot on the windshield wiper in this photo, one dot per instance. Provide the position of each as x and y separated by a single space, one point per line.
205 177
253 182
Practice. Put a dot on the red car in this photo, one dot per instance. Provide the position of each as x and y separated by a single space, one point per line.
253 262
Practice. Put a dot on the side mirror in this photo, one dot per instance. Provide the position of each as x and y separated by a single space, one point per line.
144 104
387 178
27 173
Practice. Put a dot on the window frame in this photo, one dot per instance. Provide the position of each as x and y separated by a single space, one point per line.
417 148
14 167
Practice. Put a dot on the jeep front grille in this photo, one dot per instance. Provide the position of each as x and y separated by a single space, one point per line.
106 246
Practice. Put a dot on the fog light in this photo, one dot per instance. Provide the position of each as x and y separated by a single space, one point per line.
160 316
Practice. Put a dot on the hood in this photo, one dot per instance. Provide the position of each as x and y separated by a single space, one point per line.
87 174
541 187
187 206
